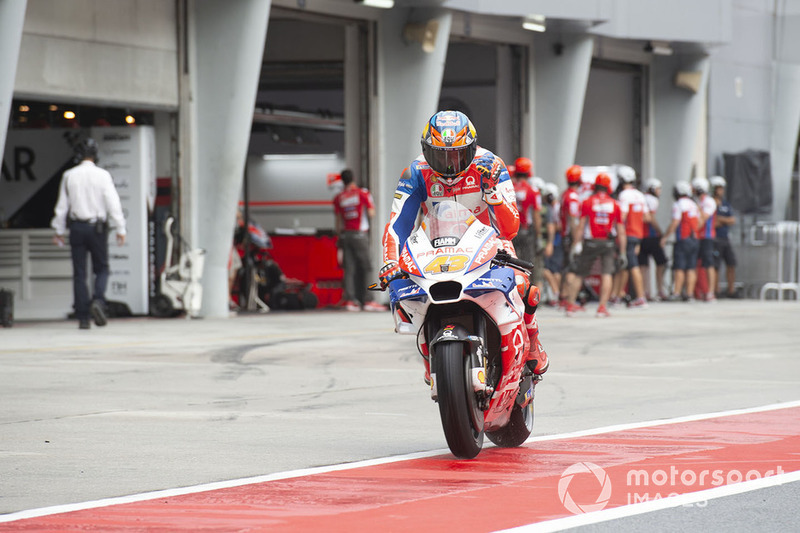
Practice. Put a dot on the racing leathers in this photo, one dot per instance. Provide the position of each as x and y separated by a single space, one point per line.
486 189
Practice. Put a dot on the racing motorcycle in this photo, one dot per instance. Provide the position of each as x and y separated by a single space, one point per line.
458 294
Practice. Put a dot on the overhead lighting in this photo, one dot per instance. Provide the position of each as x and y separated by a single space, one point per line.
69 115
296 157
534 23
383 4
659 48
130 119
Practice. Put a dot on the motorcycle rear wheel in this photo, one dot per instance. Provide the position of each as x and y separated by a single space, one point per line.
462 417
518 429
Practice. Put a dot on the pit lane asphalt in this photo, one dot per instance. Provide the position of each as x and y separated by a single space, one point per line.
147 404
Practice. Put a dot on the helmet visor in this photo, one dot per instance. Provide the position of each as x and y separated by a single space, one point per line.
449 161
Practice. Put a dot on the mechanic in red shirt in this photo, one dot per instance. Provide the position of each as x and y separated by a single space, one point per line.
353 207
601 217
529 205
570 213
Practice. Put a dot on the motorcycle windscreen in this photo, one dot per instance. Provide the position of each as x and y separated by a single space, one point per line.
446 223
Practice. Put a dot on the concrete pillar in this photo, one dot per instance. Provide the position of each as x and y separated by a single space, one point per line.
409 83
786 113
676 118
560 76
505 146
785 108
12 18
226 41
353 100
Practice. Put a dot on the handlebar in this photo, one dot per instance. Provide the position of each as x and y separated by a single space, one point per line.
501 258
504 258
381 287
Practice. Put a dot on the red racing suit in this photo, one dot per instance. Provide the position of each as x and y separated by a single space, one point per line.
420 188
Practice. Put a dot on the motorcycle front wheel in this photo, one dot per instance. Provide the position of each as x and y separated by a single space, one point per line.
462 417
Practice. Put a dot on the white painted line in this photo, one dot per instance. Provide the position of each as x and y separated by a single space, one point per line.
168 493
664 421
605 515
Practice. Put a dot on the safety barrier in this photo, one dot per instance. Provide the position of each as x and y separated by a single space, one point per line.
775 247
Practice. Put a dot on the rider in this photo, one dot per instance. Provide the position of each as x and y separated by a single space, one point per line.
453 167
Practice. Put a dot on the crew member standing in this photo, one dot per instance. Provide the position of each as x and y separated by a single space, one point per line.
570 217
722 244
651 243
634 215
529 205
707 233
354 208
601 216
684 224
87 200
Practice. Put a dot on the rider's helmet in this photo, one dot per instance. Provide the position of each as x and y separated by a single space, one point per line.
652 184
682 188
449 143
574 175
700 185
603 180
717 181
523 167
626 174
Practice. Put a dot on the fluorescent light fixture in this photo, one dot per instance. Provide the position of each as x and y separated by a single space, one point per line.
383 4
659 48
297 157
534 23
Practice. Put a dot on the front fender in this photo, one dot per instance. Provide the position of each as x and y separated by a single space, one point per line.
458 333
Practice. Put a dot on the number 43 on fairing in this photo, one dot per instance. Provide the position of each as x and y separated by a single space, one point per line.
446 263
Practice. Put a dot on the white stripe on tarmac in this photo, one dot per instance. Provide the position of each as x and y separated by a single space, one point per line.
655 505
646 506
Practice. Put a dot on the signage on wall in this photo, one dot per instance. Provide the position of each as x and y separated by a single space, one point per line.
129 155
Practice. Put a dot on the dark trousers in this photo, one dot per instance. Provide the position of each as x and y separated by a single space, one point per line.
355 248
85 239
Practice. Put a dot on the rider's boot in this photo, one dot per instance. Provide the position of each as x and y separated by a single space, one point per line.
537 357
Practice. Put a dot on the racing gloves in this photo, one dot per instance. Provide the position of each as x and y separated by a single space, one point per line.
490 170
389 272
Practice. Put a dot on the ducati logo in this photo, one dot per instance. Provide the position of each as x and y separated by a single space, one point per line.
437 189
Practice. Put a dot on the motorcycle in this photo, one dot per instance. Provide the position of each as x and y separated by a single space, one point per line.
458 294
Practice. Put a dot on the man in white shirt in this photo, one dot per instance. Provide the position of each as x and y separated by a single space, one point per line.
87 200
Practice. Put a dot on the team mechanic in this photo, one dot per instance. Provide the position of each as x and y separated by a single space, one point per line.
453 166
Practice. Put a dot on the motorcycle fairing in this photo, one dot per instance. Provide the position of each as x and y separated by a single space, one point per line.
496 279
443 263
